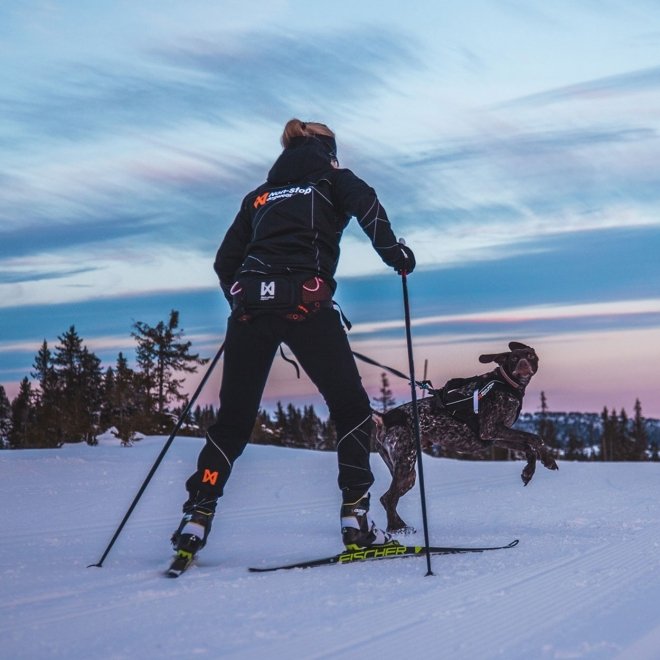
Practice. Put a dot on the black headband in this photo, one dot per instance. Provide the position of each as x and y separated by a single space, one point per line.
329 144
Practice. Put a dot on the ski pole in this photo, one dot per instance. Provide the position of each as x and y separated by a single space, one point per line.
176 429
418 441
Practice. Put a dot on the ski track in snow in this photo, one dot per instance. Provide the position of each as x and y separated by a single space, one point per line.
583 583
415 621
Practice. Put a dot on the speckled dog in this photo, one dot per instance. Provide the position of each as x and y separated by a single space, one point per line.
468 415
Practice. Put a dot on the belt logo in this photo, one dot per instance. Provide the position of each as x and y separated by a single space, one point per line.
210 477
267 290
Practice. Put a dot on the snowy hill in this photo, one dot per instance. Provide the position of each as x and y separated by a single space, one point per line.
584 581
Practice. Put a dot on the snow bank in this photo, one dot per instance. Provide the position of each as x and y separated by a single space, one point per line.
583 583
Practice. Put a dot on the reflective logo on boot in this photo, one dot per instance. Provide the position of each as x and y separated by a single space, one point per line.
210 477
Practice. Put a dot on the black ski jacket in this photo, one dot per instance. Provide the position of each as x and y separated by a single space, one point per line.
293 223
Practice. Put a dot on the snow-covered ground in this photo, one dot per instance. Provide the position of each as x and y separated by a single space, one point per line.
584 582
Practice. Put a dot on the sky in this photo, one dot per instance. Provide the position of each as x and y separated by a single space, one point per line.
514 145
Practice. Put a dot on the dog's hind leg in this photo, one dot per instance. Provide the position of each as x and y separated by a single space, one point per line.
400 485
397 450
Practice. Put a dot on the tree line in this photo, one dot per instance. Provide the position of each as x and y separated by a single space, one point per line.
71 398
609 436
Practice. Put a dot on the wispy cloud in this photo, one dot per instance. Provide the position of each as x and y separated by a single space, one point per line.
529 144
25 275
45 279
44 235
548 312
624 84
214 79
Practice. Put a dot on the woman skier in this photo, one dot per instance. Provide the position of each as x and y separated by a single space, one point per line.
276 267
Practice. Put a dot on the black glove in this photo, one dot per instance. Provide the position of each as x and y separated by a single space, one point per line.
405 260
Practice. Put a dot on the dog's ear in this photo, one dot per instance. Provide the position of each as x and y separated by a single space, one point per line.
515 345
493 357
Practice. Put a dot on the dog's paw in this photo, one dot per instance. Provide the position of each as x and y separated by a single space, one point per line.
406 530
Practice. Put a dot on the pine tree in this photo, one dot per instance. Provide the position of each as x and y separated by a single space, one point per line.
122 409
43 370
47 431
91 394
263 432
67 366
385 400
280 425
546 428
574 447
107 416
624 439
620 434
203 417
616 439
66 403
294 435
5 418
80 388
161 353
310 427
22 417
607 436
639 435
328 440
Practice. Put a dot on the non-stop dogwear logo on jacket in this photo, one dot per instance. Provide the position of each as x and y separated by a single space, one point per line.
284 193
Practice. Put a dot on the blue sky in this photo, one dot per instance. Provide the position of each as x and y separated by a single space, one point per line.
515 145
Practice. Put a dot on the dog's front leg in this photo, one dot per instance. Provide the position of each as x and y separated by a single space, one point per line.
528 443
530 467
547 458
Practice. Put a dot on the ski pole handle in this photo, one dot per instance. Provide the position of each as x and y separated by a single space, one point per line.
404 272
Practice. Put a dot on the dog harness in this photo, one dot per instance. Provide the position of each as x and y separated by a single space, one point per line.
461 397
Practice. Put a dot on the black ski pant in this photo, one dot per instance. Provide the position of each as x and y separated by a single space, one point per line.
320 345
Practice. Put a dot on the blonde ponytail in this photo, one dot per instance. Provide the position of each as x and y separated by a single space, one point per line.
296 128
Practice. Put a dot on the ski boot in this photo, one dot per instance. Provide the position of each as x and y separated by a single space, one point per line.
358 530
190 537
